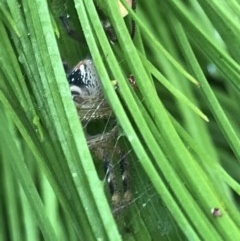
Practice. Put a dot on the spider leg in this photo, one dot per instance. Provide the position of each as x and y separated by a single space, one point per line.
112 182
70 31
119 185
133 30
126 180
65 22
110 30
101 146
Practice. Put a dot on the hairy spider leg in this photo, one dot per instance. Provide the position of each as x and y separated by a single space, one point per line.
133 30
70 31
126 178
105 23
110 30
112 182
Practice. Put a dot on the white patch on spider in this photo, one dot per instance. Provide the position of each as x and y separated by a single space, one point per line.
109 179
75 88
123 177
82 68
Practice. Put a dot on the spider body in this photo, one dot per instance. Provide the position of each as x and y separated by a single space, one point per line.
85 77
87 92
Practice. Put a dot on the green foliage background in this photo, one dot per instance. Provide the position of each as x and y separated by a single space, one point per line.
181 121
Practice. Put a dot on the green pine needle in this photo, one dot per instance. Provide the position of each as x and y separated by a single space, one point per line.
179 122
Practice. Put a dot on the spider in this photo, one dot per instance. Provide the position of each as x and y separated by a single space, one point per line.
109 28
87 94
105 23
92 107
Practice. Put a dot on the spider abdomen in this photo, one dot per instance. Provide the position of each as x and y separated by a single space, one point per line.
87 92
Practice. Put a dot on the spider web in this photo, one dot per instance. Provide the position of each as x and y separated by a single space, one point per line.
145 212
